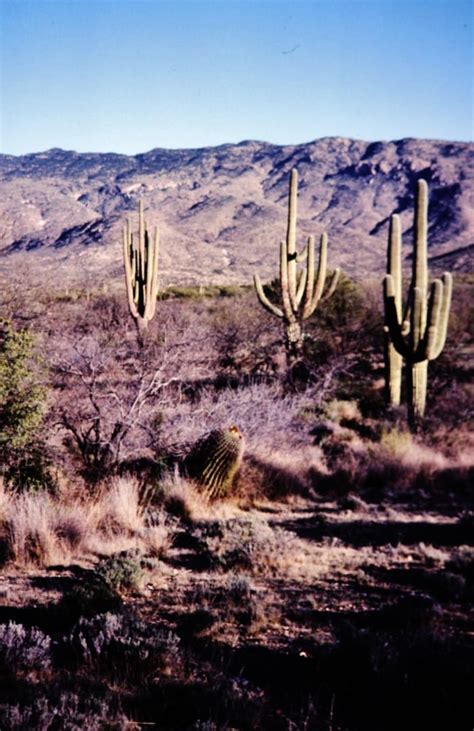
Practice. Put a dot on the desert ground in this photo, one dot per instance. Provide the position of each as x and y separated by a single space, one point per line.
330 588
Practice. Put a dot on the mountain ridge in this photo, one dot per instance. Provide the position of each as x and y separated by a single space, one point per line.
221 210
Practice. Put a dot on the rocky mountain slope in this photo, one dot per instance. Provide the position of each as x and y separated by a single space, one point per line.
222 211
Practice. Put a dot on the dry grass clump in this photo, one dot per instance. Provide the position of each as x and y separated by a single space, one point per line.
157 535
339 410
393 467
279 474
29 530
182 499
121 509
39 529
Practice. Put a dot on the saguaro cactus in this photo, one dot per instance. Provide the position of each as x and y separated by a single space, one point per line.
140 256
214 460
420 334
300 292
393 359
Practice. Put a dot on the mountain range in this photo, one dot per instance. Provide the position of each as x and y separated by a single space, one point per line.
221 211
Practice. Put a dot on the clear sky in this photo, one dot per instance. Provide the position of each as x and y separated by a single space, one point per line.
131 75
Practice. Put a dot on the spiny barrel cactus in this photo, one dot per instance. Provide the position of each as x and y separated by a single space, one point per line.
140 255
214 460
301 293
419 334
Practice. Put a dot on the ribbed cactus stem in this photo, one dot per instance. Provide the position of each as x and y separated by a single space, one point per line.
273 309
442 331
419 335
420 258
215 459
393 359
300 293
417 382
291 237
140 256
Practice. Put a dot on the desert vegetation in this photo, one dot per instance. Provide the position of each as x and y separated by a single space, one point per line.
197 532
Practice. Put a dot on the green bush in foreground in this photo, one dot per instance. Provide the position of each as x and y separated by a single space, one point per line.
22 405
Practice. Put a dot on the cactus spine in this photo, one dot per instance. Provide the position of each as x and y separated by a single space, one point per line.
140 257
214 460
301 295
419 335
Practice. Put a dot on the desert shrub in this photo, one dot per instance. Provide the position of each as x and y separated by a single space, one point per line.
77 711
124 646
23 649
23 459
91 597
248 544
103 588
121 572
109 397
247 340
351 314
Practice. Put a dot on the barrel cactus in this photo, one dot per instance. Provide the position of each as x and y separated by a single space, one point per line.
214 460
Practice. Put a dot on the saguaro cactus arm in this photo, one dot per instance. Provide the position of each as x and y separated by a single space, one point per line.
264 299
152 276
332 285
392 322
442 329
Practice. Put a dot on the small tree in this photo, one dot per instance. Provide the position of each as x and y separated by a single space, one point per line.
22 406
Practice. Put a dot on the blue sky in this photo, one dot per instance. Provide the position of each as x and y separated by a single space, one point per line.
130 75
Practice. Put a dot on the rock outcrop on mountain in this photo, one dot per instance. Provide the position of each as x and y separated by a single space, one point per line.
222 211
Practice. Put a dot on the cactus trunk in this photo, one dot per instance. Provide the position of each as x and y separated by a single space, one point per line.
393 359
417 382
393 374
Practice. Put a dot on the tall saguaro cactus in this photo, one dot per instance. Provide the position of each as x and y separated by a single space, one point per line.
300 292
140 256
419 335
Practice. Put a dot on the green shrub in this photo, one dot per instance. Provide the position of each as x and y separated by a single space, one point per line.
23 463
121 572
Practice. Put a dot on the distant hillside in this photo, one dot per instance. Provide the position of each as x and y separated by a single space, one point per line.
222 210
